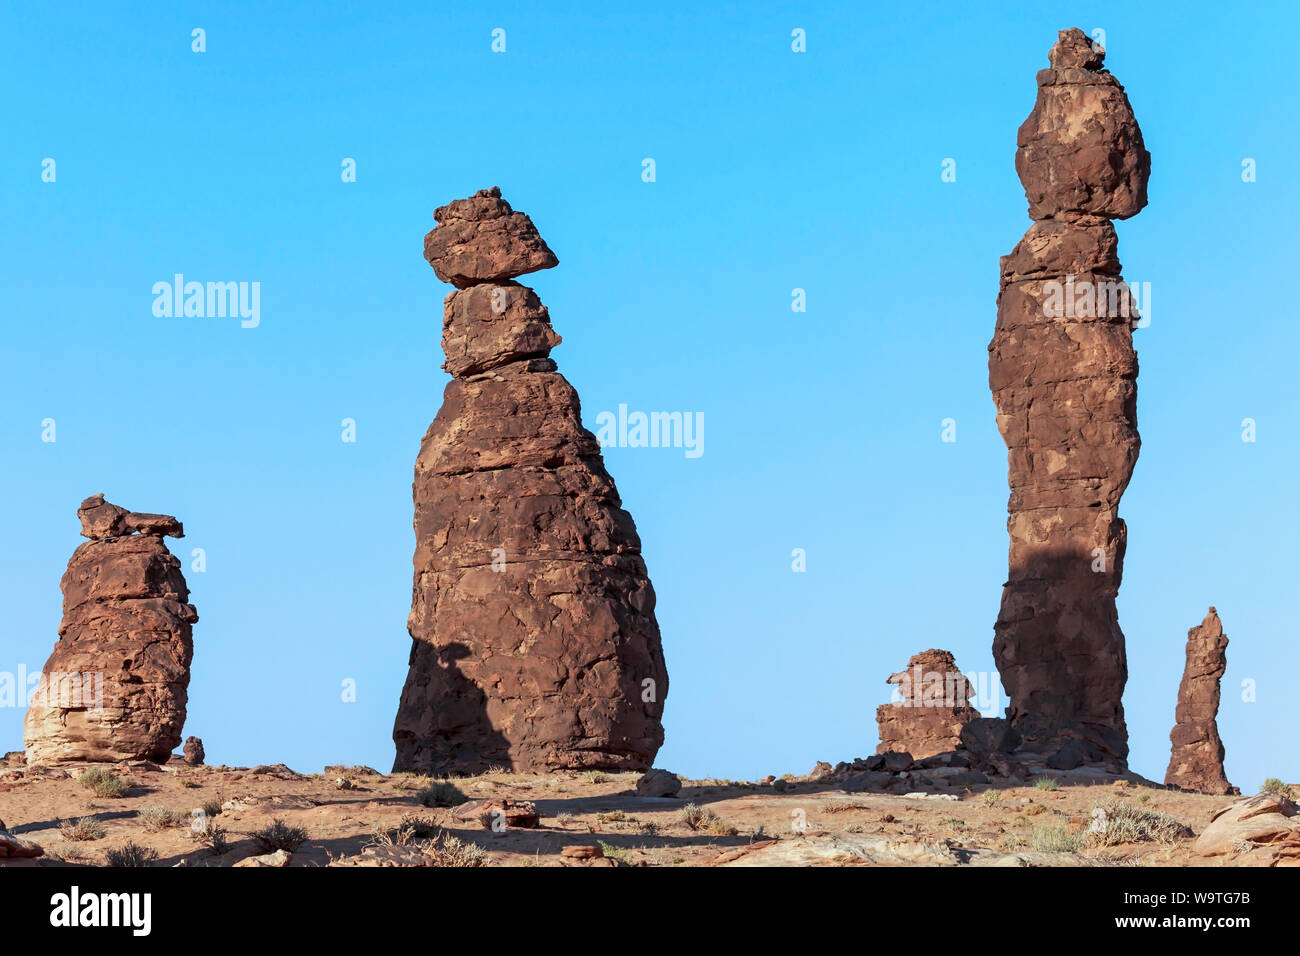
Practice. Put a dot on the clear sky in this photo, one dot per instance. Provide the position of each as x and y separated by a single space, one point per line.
774 170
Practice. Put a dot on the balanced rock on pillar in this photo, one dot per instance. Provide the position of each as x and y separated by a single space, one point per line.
534 640
116 686
1063 373
933 711
1196 752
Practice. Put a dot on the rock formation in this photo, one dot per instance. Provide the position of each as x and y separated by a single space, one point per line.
933 710
1267 821
1063 373
115 687
535 644
1196 753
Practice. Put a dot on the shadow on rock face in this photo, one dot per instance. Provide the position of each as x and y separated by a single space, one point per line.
444 725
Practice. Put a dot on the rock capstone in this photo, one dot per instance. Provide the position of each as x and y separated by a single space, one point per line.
481 239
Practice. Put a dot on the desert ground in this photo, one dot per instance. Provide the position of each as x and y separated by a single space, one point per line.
357 816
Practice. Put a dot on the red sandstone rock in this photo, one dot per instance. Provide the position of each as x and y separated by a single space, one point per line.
481 239
1080 150
1063 373
535 644
115 687
1196 754
100 519
658 783
580 852
11 847
517 814
933 710
1265 819
493 324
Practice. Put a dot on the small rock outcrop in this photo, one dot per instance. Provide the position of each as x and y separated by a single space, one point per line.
194 752
1266 820
658 783
1063 373
1196 752
933 710
116 686
534 640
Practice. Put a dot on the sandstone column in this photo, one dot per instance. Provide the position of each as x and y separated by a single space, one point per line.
115 687
1063 373
1196 752
933 710
535 644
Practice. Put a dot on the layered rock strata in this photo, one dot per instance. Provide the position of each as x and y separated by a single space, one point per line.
116 686
933 709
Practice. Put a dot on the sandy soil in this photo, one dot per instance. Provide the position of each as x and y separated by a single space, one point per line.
353 816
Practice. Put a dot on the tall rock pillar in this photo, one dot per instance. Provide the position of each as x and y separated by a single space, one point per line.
1063 373
1196 750
535 644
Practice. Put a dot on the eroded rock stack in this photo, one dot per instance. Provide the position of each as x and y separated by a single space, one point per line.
116 686
1063 373
1196 752
535 644
934 708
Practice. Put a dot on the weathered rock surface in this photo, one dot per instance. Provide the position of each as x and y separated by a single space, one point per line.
280 858
1264 819
933 710
658 783
1063 373
12 848
578 851
481 239
194 752
535 644
1080 150
115 687
852 848
1196 751
101 519
512 814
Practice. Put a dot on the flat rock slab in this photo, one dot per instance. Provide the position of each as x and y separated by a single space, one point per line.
856 849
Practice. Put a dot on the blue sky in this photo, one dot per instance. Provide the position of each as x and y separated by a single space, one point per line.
774 171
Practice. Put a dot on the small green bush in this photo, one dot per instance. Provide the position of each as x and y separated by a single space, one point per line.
1055 838
1274 785
102 783
441 794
